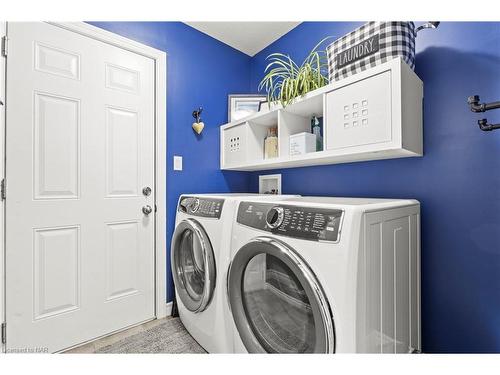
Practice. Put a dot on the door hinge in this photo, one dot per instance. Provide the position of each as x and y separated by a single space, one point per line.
4 333
2 189
5 46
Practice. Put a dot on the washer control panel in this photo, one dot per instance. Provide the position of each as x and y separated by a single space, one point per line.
307 223
202 207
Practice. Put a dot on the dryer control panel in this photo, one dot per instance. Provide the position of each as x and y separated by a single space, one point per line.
307 223
202 207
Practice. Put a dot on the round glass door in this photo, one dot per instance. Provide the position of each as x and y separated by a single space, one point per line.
193 265
277 303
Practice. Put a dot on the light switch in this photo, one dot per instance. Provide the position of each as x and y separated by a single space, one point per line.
177 163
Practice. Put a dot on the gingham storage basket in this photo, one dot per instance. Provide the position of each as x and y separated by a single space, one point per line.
370 45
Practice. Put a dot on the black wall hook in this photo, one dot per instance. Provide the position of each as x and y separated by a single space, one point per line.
483 125
477 107
197 114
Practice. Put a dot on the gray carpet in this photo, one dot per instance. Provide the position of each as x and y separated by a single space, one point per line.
168 337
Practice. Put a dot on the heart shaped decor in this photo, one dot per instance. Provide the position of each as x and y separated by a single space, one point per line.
198 127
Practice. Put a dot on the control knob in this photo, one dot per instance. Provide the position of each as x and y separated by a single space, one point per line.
275 216
195 204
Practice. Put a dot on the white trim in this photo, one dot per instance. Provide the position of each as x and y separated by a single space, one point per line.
112 38
161 187
168 308
3 32
160 59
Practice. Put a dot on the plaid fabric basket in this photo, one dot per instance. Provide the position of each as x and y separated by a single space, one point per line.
369 45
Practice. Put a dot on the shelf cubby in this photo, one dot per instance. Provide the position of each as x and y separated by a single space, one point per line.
291 123
257 132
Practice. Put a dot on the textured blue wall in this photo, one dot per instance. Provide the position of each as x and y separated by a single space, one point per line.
200 71
457 181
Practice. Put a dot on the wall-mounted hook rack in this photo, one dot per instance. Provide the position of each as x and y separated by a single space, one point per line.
477 107
483 125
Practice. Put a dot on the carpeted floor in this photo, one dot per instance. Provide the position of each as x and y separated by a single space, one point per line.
167 336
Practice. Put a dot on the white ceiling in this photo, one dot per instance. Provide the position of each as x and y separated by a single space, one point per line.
247 37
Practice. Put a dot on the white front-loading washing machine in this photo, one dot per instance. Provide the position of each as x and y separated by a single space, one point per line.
199 262
325 275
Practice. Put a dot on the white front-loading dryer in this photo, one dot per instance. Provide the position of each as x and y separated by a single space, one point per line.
199 262
325 275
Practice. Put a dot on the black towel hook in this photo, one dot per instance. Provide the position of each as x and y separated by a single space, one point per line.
477 107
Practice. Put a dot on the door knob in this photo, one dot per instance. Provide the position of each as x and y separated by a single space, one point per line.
147 210
146 191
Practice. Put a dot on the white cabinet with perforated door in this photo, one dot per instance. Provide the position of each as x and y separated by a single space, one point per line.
380 112
375 114
360 113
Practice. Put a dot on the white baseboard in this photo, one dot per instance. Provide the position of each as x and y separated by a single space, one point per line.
168 308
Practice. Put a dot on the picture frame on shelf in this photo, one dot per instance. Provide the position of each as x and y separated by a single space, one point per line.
243 105
264 106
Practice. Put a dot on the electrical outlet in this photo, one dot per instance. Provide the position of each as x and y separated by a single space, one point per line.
177 163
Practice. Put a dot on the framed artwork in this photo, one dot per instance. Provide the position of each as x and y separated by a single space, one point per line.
264 105
243 105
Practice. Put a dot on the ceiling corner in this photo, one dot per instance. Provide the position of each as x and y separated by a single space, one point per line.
247 37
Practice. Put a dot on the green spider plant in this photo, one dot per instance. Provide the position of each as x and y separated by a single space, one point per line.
285 80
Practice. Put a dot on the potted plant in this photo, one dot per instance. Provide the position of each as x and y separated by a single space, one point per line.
285 80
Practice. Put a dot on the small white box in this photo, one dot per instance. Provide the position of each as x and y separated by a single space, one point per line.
302 143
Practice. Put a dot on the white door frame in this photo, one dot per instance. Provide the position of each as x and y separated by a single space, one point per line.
3 27
160 60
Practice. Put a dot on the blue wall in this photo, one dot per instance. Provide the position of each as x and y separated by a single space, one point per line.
200 71
457 181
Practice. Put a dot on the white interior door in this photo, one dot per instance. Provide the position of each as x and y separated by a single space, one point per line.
79 151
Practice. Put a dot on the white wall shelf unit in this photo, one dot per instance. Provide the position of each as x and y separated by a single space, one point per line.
375 114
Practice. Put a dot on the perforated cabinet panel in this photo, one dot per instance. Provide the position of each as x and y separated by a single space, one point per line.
360 113
235 141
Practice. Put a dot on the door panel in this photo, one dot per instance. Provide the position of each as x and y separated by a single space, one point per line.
123 250
56 147
57 61
122 152
56 271
80 147
120 78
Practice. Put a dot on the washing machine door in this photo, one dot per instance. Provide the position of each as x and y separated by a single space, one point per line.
193 265
277 302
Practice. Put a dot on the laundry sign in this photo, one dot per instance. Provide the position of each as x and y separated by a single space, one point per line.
369 45
358 52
